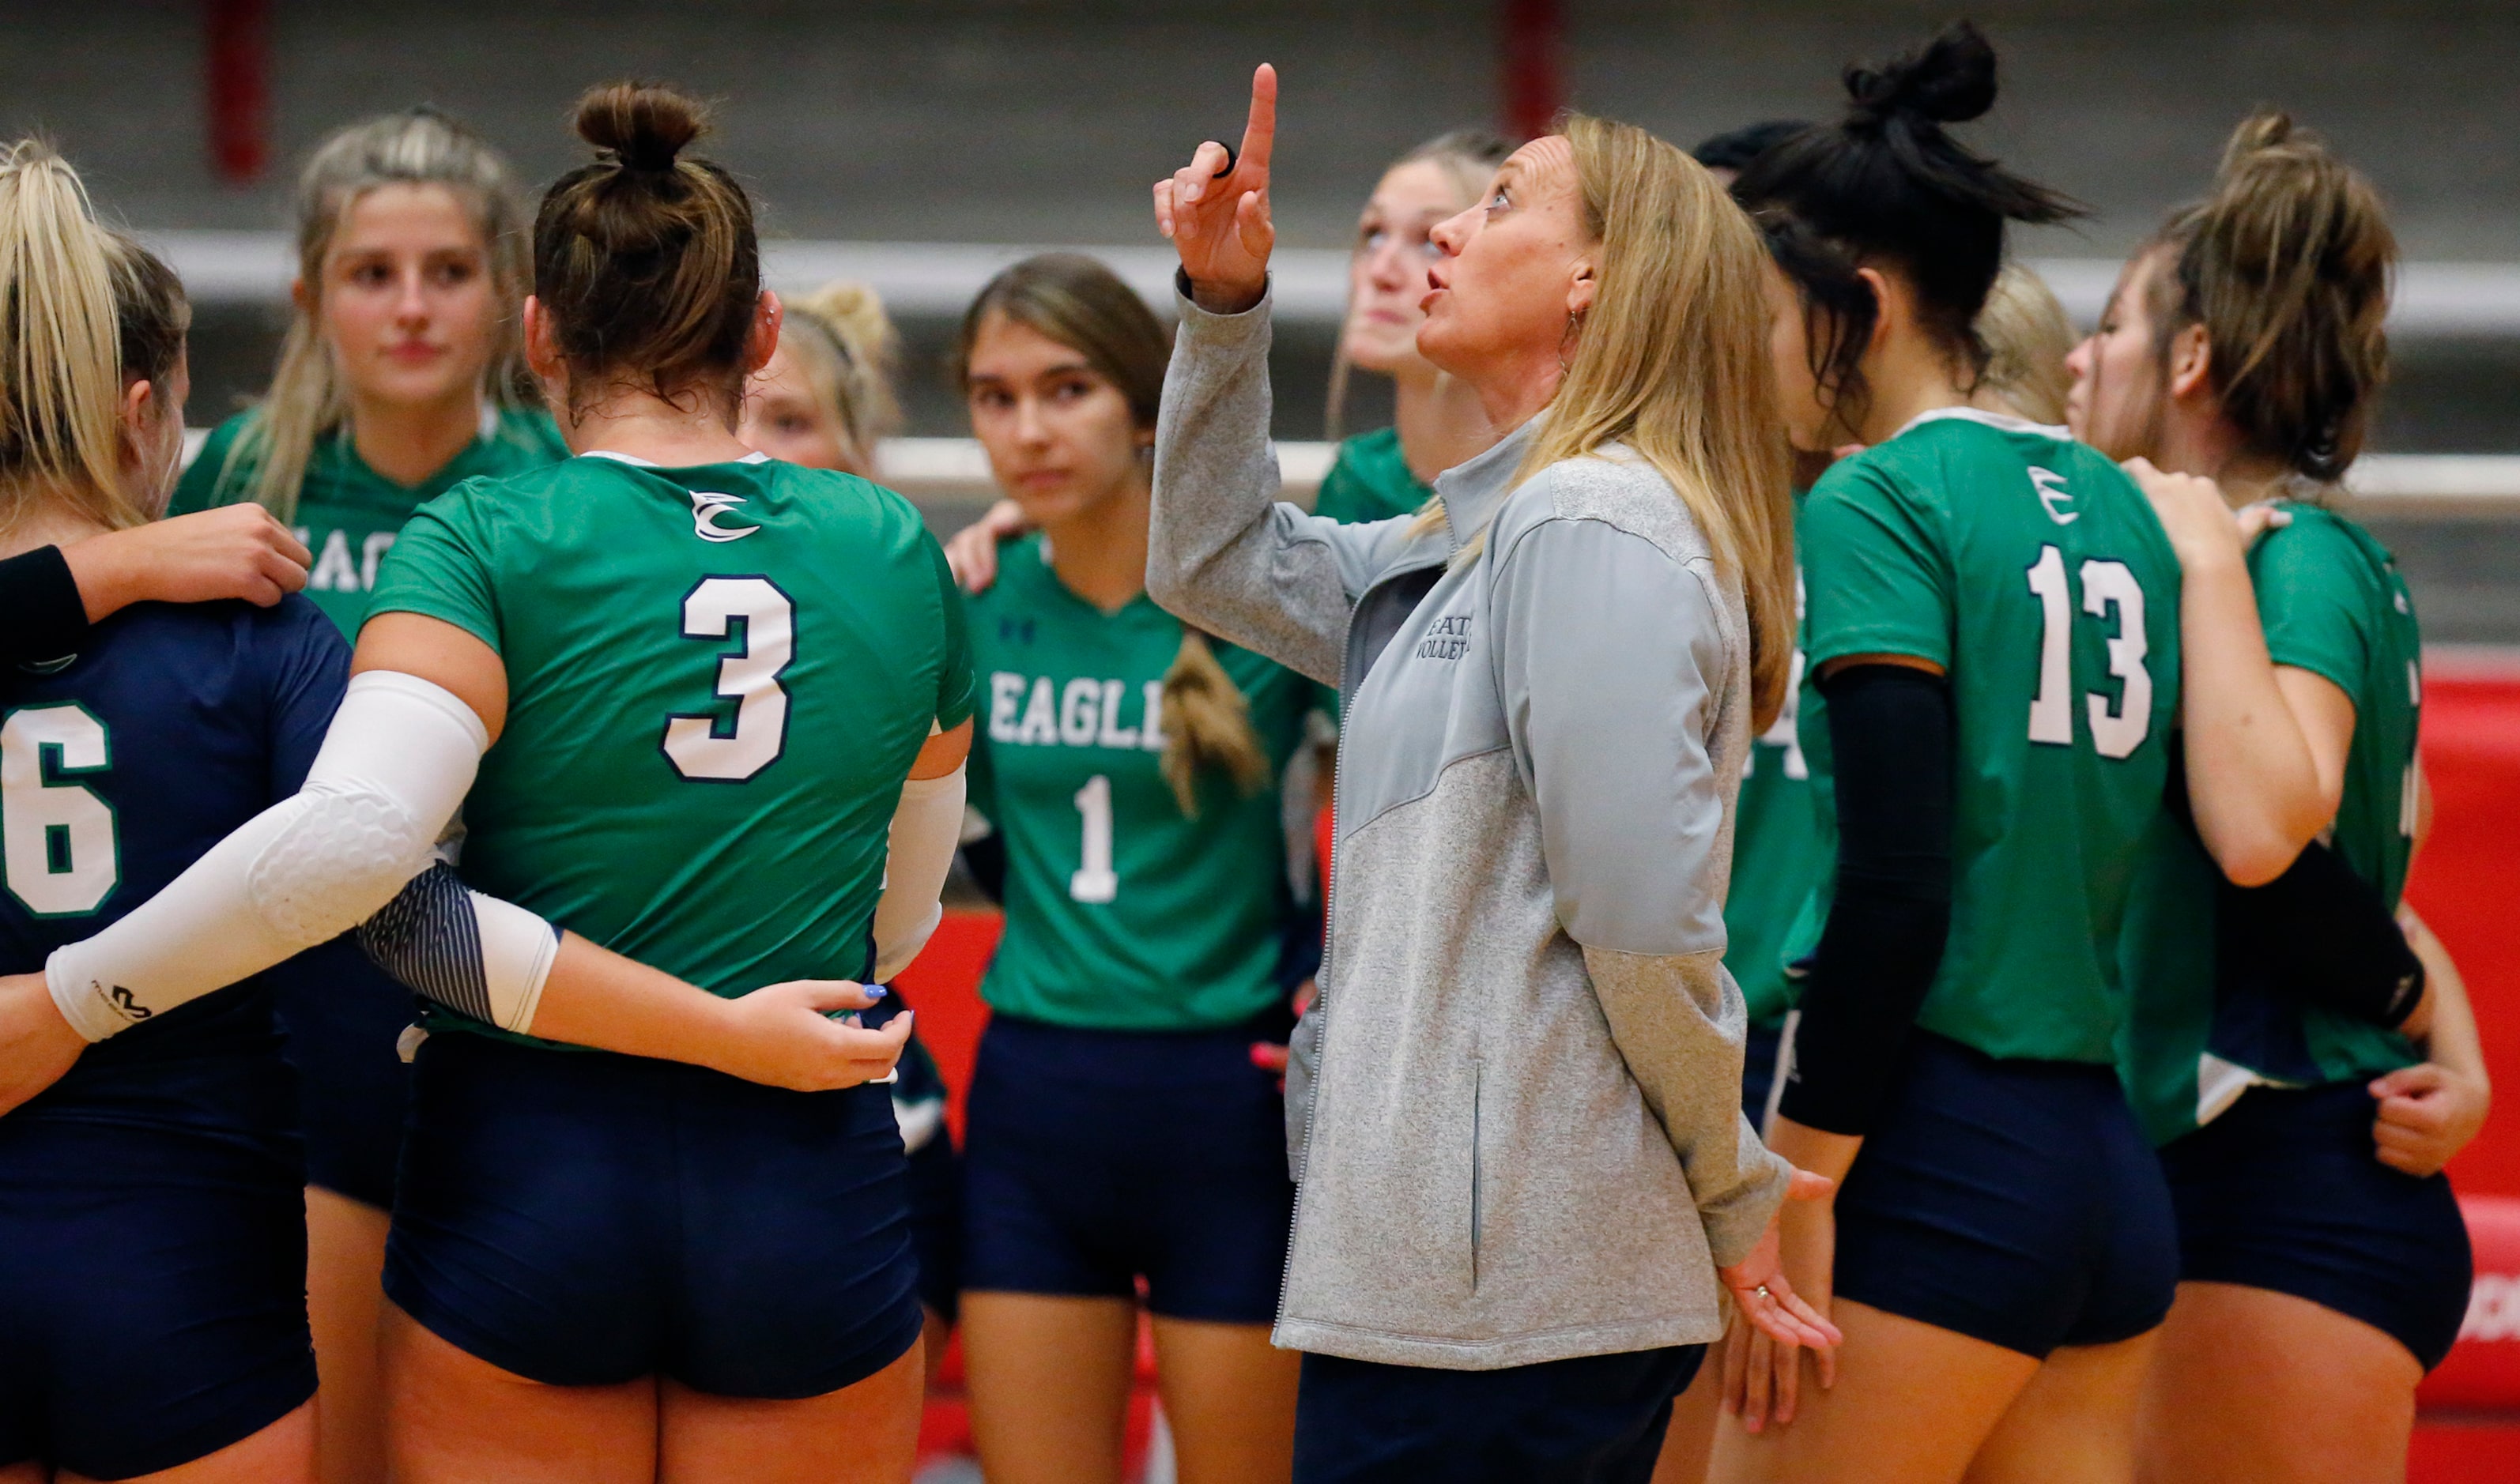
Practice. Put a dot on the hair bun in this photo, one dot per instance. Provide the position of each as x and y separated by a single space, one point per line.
644 125
1951 82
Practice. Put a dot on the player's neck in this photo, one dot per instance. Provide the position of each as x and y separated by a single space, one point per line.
2209 445
1908 377
409 443
45 523
1440 421
1101 552
647 427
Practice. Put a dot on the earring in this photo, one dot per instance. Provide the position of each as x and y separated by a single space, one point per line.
1574 326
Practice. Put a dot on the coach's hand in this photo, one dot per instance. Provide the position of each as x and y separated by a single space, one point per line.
236 551
784 1035
1774 1322
1218 218
36 1044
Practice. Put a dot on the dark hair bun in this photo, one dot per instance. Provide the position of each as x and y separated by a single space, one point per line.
643 125
1951 82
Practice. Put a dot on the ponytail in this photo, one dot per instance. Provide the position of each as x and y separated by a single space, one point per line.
1207 724
61 363
2287 266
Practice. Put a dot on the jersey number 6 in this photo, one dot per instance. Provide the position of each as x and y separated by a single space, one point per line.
701 747
2117 729
60 856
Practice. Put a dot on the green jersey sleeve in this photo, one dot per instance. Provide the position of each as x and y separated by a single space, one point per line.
958 689
440 567
2312 604
1879 577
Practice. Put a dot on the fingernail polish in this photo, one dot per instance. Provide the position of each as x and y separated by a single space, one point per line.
877 991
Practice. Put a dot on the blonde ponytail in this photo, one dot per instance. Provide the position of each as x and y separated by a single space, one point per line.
1207 724
60 372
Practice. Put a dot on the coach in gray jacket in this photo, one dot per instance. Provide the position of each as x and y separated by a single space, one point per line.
1514 1111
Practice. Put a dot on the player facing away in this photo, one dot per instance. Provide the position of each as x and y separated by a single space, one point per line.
712 674
1120 1130
1993 650
400 377
2325 1265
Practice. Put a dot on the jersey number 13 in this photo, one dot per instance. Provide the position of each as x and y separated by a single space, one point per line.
2109 593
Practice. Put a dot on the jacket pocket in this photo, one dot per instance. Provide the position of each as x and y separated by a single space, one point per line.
1478 1086
1303 1073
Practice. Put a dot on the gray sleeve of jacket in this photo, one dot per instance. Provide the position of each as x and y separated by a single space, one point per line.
1222 552
1609 660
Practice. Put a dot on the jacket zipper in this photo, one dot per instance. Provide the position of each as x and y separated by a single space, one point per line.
1321 985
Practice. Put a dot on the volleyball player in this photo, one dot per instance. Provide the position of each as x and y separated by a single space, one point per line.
148 1199
2324 1263
1119 1131
609 1267
824 402
400 377
1991 631
52 596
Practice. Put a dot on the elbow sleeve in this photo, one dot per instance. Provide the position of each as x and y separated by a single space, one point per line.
475 954
2321 935
1891 733
927 825
394 766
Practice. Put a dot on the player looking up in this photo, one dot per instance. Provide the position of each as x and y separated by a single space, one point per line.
400 377
1992 648
607 1265
2324 1263
1119 1130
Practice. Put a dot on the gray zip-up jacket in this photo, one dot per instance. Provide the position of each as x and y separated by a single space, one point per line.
1514 1114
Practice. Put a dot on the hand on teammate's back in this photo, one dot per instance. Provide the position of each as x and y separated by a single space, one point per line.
972 552
1218 218
36 1044
785 1037
2428 1112
236 551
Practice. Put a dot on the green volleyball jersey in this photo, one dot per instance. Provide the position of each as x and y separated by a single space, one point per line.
2031 570
718 678
1369 481
2332 602
347 514
1779 855
1122 913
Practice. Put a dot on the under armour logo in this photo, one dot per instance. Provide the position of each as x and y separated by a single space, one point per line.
707 507
2053 492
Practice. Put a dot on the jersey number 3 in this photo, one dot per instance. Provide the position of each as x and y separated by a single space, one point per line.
57 845
702 747
2119 728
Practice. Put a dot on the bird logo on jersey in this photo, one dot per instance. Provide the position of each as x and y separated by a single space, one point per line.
2052 490
707 507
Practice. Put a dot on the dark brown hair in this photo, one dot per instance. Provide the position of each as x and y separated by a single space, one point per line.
2288 266
151 314
648 262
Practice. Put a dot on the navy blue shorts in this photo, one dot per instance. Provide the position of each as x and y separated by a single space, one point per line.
2012 1201
584 1219
1094 1159
153 1295
353 1090
2283 1192
936 1223
1594 1419
1759 1071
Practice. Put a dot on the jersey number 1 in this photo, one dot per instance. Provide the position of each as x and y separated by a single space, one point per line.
57 845
749 678
2116 729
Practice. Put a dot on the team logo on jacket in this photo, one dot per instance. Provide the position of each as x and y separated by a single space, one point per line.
707 507
1446 638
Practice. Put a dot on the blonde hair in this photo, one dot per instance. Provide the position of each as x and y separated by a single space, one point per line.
2027 336
1671 363
850 351
1083 306
61 343
307 398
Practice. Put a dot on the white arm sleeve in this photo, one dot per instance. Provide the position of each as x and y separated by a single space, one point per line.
394 766
927 825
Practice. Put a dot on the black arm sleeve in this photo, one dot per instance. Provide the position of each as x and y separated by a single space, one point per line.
2320 935
1890 733
986 859
42 615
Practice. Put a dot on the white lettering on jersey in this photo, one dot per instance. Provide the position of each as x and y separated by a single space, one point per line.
335 569
707 507
1038 711
1150 729
1079 706
1113 735
2049 486
1006 693
371 552
1041 716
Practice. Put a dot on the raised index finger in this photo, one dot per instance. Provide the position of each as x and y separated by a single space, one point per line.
1260 132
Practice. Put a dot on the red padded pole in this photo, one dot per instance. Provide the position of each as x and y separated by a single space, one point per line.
238 33
1532 38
